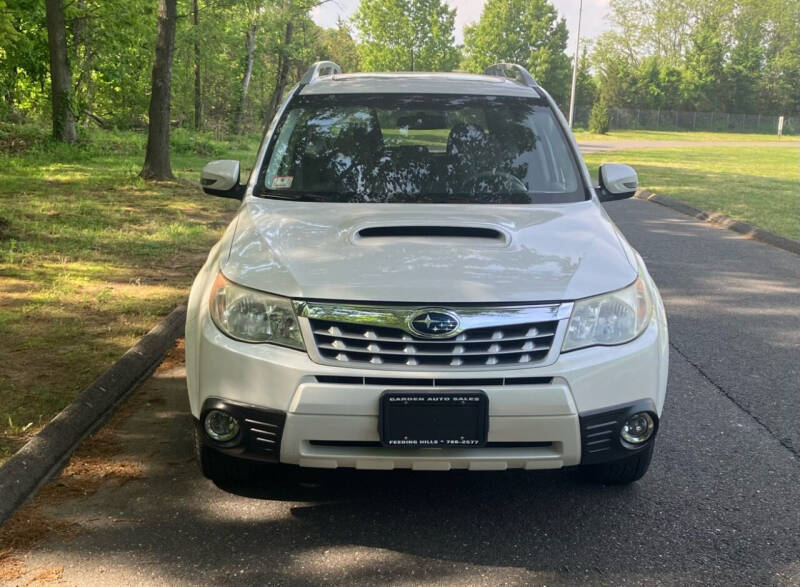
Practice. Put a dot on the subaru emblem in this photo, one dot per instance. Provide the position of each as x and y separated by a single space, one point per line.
434 323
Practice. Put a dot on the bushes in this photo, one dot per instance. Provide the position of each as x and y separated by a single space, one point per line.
600 118
34 138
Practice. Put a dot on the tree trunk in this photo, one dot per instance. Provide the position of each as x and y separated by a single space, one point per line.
81 62
282 74
248 74
198 88
60 76
156 162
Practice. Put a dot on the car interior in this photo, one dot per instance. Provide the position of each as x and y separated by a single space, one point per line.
397 154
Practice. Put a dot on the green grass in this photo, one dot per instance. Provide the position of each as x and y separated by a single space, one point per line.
91 257
434 140
665 135
755 184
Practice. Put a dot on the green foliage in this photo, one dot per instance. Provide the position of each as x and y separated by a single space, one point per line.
586 87
740 56
24 58
339 46
528 32
406 35
716 55
7 32
599 119
111 48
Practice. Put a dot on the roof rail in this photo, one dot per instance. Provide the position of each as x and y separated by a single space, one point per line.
318 70
512 71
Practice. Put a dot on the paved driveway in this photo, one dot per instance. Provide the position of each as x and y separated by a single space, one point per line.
721 504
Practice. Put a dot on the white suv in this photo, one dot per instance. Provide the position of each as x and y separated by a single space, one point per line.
421 275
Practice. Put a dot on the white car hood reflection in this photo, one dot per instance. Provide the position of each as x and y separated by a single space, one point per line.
312 250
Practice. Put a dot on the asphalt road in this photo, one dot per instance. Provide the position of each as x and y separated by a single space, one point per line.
721 504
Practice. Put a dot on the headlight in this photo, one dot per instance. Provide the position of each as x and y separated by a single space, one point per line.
252 316
609 319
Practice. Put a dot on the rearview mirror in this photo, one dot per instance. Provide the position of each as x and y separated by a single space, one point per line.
617 182
221 178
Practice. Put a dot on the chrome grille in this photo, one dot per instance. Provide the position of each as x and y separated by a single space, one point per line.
487 346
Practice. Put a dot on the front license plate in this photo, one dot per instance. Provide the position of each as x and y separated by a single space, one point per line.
422 419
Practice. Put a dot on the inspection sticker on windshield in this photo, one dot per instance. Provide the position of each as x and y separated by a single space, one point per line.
282 182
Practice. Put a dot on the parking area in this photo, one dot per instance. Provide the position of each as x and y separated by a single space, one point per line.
719 505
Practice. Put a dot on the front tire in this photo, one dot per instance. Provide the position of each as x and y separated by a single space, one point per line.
220 467
623 471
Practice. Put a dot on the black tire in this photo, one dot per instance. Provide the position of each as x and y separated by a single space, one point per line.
623 471
221 467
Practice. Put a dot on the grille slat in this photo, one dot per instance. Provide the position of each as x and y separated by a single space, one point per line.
377 344
408 338
381 351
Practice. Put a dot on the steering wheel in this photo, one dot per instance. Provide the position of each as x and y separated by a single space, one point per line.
512 183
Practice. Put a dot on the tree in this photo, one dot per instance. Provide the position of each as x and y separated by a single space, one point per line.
198 85
24 59
704 64
7 32
60 75
613 73
338 45
600 118
250 49
739 56
781 71
527 32
406 35
281 76
157 163
586 88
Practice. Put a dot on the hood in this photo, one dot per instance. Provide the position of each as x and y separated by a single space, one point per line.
427 253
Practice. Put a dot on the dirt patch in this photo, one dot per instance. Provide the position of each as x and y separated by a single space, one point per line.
53 575
25 530
174 358
11 568
94 464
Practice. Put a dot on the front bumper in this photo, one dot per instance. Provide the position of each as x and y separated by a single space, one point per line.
262 432
331 413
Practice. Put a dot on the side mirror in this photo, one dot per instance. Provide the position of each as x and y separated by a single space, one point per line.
221 178
617 182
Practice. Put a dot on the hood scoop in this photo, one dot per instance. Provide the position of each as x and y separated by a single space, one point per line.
436 233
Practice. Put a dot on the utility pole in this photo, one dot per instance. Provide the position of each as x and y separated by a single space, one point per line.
575 67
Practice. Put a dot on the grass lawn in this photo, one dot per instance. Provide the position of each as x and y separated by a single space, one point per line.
91 257
665 135
757 185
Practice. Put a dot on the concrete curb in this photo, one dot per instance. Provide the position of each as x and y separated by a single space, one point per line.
45 454
743 228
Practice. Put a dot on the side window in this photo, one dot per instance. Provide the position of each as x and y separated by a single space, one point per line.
280 164
559 157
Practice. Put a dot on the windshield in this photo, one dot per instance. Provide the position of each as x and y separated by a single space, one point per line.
397 148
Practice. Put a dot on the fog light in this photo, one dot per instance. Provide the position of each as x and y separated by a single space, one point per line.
221 426
638 428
